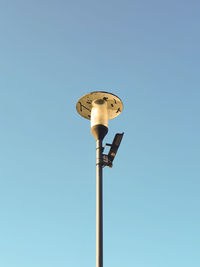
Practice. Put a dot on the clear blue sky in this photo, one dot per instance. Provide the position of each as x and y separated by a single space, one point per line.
52 53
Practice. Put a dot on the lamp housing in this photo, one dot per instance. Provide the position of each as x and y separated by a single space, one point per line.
99 107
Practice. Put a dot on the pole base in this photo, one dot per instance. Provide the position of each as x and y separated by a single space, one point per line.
99 131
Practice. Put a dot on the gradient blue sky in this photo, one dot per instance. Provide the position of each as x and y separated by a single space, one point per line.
52 53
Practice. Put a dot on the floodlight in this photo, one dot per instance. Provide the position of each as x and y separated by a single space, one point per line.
108 159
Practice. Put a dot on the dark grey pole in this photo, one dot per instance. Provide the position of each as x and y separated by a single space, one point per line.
99 204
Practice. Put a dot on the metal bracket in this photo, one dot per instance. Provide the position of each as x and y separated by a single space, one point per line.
107 161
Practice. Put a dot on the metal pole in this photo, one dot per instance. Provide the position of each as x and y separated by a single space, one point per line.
99 205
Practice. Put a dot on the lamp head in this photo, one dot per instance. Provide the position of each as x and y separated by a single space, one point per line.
99 107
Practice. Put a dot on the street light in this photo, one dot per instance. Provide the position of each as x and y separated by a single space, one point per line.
99 107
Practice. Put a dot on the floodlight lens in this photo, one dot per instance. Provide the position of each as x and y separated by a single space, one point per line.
118 139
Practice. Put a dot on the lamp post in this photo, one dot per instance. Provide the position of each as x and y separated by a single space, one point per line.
99 107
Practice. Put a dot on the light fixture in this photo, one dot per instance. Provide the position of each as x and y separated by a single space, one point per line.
100 107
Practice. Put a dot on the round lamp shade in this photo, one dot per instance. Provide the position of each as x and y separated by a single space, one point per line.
99 101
